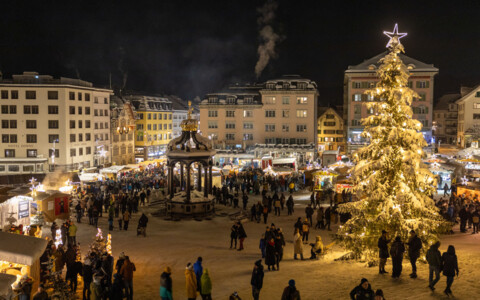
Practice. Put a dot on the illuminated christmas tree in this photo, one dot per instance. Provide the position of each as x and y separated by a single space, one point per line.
392 183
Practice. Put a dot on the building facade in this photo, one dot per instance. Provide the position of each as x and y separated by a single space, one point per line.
445 119
179 113
278 112
153 126
363 76
49 124
122 131
468 130
330 130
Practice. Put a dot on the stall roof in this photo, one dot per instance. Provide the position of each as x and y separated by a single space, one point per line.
6 281
21 249
287 160
113 169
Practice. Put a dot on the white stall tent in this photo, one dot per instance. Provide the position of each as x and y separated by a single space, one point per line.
21 249
6 281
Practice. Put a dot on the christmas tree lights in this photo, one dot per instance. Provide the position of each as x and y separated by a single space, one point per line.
392 183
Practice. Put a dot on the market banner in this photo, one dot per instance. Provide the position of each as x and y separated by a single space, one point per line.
23 209
61 205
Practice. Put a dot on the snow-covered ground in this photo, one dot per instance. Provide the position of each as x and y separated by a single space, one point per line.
174 244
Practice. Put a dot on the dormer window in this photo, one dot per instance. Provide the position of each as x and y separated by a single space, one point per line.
302 85
285 85
372 67
212 99
411 66
230 100
271 86
248 100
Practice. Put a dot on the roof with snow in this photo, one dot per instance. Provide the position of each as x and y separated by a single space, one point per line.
372 64
443 102
21 249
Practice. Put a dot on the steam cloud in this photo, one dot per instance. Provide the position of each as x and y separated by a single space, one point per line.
266 49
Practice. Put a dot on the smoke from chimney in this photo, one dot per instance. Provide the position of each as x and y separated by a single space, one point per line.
268 38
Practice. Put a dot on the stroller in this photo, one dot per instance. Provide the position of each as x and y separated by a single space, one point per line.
141 231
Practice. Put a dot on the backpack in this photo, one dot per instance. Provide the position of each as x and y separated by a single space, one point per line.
305 227
265 209
395 250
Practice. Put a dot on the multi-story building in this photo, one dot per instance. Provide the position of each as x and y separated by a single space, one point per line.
122 131
363 76
48 124
330 130
445 118
153 126
278 112
179 113
468 130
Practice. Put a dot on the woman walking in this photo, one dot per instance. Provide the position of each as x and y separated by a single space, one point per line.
450 267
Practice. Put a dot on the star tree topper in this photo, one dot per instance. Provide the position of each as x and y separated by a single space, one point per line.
394 36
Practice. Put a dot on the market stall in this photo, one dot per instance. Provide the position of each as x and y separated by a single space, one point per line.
15 210
53 205
6 281
112 172
324 179
343 184
20 255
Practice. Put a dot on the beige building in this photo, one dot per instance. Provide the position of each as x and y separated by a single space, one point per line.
278 112
468 130
363 76
122 131
50 123
330 130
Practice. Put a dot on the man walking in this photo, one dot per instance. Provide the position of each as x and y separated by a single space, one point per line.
257 279
434 260
383 252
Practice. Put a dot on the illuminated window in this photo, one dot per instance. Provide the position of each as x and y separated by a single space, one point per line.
302 100
301 113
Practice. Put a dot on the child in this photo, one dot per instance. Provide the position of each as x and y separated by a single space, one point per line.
262 245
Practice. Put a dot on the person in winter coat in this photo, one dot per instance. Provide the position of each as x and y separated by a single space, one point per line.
126 219
127 275
317 248
116 292
363 291
72 234
59 256
298 245
475 221
96 291
87 274
396 251
414 246
383 252
166 284
291 292
270 257
328 218
290 205
241 234
233 236
263 245
24 288
450 267
379 295
279 245
198 269
257 279
190 282
41 294
142 225
320 218
305 231
434 260
206 286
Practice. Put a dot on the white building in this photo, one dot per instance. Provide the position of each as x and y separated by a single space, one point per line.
52 123
468 130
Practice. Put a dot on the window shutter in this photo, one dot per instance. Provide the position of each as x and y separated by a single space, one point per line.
353 84
426 110
353 97
428 84
417 84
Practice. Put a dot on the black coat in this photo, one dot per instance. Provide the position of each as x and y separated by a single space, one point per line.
450 264
397 250
257 277
414 246
270 258
359 293
166 281
383 247
87 273
241 232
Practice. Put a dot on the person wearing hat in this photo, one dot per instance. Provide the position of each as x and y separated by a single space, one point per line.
291 292
166 284
127 275
257 279
383 252
414 247
206 286
363 291
190 282
40 294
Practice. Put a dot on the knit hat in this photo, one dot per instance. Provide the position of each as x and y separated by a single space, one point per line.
291 283
168 270
363 280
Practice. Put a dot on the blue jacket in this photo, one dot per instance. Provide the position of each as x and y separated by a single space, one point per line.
198 269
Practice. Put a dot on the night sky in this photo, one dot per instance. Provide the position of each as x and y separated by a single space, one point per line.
190 48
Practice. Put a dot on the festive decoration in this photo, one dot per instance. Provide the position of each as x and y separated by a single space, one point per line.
464 180
392 183
109 244
58 237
